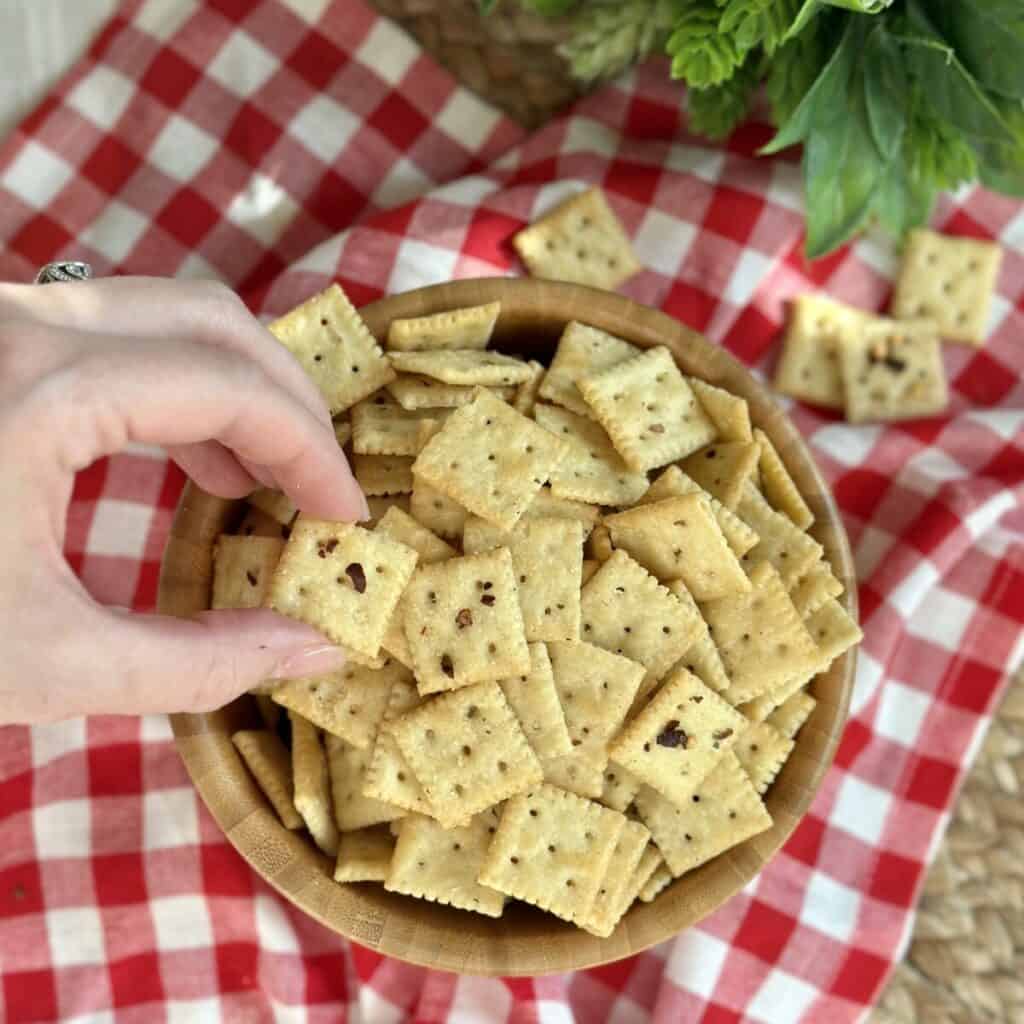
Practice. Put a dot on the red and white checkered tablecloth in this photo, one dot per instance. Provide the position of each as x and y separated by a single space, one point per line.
280 144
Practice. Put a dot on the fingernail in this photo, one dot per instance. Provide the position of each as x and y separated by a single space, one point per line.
310 661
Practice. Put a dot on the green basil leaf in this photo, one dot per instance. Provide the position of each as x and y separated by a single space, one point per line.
901 201
804 15
486 6
885 89
988 36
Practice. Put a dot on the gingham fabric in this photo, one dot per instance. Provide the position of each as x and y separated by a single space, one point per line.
280 145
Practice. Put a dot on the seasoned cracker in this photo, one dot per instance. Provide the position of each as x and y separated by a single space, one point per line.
526 392
379 506
893 370
401 526
678 737
581 240
650 863
814 588
468 752
613 895
335 348
786 547
620 787
778 486
575 773
552 849
417 394
547 558
353 810
679 538
660 879
702 657
242 568
394 642
949 280
546 506
723 469
389 777
759 709
534 700
256 523
385 429
341 579
724 811
312 784
625 610
490 459
760 636
581 350
276 505
434 509
728 412
383 475
467 328
465 369
833 630
762 750
789 717
269 763
441 865
364 855
591 470
648 410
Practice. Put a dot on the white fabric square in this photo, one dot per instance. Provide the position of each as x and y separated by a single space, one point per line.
101 96
76 936
907 595
181 149
374 1007
36 175
935 464
1006 423
418 264
170 818
192 1010
786 188
861 809
403 182
983 518
194 267
662 242
901 710
751 269
865 683
477 999
388 52
705 164
942 618
273 929
61 829
467 119
470 191
324 127
872 546
583 135
849 446
263 209
549 1012
782 997
696 960
308 10
119 528
161 19
155 729
242 66
181 922
116 232
55 739
830 906
625 1011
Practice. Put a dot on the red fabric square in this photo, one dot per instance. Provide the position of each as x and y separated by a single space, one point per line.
224 871
690 305
733 213
860 976
252 134
646 119
110 165
169 78
188 217
970 684
21 889
933 527
860 490
335 202
317 60
398 121
29 996
637 181
40 240
985 380
119 878
751 335
805 843
135 980
489 237
15 794
764 931
115 770
856 736
895 879
237 966
931 782
615 974
718 1014
325 979
234 10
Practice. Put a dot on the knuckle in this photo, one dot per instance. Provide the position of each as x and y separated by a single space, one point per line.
218 680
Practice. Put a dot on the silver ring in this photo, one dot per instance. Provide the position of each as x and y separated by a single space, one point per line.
62 271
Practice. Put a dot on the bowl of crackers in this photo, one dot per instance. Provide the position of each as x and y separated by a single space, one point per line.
600 630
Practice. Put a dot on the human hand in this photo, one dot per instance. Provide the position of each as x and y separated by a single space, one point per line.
86 368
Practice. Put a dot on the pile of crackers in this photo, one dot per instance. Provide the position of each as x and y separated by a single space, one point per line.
581 622
890 368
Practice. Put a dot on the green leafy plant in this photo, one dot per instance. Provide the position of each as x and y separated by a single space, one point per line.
893 101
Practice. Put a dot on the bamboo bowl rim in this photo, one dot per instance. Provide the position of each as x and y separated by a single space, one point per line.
524 941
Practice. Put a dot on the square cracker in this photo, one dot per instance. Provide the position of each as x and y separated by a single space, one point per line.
658 881
723 469
620 787
546 506
949 280
364 855
242 568
312 784
268 762
760 636
441 865
724 811
648 409
463 623
678 538
466 369
790 715
434 509
352 809
379 506
468 752
349 703
389 777
758 709
385 429
809 365
591 470
625 610
552 849
575 773
778 486
526 392
780 542
581 350
490 459
467 328
814 588
678 737
581 240
335 348
833 630
547 558
702 658
341 579
256 523
276 505
729 413
762 750
893 370
615 894
534 700
590 566
416 394
401 526
383 475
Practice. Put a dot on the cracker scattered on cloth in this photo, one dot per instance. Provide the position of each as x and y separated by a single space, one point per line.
552 849
581 350
256 523
728 412
441 865
648 410
490 459
468 752
335 348
814 588
401 526
467 328
949 280
581 240
434 509
547 558
778 486
591 470
353 810
702 657
269 763
762 750
723 811
526 393
679 538
276 505
242 568
534 700
389 777
791 714
723 469
780 542
678 737
383 475
613 897
620 787
312 784
341 579
893 370
466 368
385 429
463 623
364 855
809 365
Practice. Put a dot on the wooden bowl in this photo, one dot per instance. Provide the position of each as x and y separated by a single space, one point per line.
523 941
